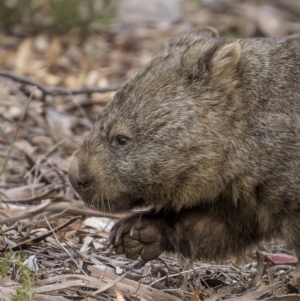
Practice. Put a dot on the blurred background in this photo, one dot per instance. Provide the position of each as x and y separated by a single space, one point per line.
95 42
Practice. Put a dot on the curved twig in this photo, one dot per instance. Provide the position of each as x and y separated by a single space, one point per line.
55 91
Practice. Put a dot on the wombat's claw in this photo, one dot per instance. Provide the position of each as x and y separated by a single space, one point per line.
136 238
124 243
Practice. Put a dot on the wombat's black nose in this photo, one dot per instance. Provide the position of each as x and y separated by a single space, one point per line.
76 178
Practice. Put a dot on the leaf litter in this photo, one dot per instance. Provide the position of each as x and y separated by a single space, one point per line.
52 88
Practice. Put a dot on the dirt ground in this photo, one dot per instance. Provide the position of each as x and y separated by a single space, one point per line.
52 88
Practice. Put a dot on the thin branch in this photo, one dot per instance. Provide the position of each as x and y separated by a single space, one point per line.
63 248
55 91
26 241
27 214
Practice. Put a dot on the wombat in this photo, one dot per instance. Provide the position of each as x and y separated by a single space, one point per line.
206 137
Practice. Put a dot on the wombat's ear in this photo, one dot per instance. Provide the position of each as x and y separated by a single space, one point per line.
208 32
225 60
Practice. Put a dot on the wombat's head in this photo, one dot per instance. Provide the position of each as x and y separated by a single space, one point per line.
160 141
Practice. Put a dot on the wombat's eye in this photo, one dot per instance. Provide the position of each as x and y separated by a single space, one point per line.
122 140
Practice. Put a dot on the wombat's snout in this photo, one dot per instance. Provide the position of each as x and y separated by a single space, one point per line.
77 179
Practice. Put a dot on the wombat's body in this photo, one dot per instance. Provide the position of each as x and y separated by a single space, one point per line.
207 134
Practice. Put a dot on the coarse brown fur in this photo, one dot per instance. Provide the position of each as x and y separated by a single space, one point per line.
206 135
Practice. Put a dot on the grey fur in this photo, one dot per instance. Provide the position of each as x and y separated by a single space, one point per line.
213 149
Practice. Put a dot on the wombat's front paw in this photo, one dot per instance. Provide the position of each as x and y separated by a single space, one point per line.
138 235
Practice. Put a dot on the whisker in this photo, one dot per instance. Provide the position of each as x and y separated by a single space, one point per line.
95 201
102 203
113 206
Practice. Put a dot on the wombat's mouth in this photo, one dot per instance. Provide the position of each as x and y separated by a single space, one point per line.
138 203
107 199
